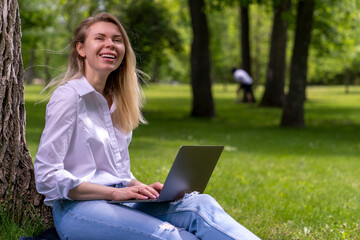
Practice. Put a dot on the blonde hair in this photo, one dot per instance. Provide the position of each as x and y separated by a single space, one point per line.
122 83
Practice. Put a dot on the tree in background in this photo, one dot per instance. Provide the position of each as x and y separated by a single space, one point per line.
150 33
226 44
275 78
203 103
334 57
17 183
245 37
293 111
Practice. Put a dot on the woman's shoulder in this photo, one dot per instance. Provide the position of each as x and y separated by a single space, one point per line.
65 91
73 88
65 95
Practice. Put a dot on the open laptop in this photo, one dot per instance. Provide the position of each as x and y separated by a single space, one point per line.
190 172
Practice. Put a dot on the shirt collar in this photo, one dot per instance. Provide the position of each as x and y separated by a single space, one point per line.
82 86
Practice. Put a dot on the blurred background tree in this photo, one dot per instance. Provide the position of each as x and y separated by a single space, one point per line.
255 34
153 37
203 103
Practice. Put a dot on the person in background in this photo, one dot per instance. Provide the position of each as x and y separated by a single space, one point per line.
83 157
244 82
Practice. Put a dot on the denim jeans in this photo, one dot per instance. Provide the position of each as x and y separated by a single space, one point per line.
196 216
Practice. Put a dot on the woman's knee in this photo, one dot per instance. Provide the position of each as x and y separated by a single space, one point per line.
201 202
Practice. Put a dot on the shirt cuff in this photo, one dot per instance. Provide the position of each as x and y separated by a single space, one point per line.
65 182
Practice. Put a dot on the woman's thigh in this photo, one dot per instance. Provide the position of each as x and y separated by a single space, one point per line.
100 220
199 214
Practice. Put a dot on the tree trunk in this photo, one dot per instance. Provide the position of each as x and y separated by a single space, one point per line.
17 183
203 104
257 50
155 71
293 112
245 39
275 79
245 42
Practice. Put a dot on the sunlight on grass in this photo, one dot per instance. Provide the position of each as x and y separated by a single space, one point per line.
280 183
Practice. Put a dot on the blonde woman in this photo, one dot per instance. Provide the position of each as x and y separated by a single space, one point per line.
83 157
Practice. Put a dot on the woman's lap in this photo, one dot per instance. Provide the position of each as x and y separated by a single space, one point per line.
100 220
197 214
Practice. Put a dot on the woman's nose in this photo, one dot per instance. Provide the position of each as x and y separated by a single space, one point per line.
109 43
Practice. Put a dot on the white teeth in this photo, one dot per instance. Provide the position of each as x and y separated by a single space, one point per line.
108 56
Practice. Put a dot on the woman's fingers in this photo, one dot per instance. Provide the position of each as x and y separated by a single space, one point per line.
157 186
147 191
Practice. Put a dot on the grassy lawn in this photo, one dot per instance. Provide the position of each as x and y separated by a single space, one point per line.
279 183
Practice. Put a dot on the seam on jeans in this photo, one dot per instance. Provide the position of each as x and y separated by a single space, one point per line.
206 219
113 226
56 225
68 205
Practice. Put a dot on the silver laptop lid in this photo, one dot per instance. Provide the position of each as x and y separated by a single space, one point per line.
190 171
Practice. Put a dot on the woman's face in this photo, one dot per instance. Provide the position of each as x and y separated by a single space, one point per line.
103 49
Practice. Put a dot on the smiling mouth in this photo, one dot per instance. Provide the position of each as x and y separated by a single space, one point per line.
108 56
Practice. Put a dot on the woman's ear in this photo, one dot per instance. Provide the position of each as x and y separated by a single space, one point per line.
80 49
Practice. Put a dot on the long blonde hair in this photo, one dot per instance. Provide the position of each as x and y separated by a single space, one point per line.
122 83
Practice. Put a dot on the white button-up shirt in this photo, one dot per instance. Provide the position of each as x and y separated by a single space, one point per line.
80 143
242 76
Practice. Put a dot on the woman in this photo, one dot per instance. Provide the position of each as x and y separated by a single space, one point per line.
83 157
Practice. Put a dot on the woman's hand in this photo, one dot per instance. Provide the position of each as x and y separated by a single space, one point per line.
157 186
144 191
133 192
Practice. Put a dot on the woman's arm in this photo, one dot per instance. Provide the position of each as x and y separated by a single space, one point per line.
52 180
135 190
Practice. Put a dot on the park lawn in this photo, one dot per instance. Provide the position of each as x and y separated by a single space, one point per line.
280 183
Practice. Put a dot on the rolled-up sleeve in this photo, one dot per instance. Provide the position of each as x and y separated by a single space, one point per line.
52 180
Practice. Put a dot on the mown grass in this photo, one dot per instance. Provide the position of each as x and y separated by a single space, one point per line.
280 183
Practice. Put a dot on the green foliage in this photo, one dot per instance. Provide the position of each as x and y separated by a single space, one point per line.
225 39
335 41
37 23
280 183
161 35
150 32
224 44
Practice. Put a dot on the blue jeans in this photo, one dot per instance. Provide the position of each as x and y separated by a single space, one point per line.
196 216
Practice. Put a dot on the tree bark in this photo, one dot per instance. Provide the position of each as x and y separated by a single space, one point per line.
17 183
293 112
275 80
245 39
203 104
155 71
245 42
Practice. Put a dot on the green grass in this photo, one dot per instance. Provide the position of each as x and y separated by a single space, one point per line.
280 183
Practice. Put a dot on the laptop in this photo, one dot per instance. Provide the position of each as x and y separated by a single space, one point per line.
190 172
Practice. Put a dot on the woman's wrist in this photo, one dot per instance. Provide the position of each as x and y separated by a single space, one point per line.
134 182
112 194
